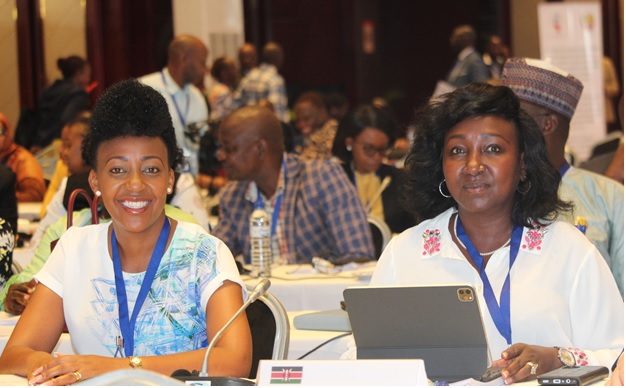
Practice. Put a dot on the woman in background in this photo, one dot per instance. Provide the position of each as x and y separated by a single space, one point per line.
144 290
31 186
362 143
62 100
224 71
480 176
318 129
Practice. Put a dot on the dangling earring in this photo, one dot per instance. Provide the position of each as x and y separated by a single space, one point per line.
525 189
98 193
349 148
441 191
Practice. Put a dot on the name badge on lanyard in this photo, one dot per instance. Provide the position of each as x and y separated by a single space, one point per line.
500 313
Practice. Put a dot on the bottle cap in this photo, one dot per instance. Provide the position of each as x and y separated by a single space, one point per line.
581 223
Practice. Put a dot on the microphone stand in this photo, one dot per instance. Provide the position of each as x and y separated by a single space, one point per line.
258 290
383 186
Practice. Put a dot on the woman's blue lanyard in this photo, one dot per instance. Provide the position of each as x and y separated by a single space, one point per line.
127 327
181 117
277 202
564 169
500 314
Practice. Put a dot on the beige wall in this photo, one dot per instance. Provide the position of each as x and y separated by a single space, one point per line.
9 83
63 33
524 28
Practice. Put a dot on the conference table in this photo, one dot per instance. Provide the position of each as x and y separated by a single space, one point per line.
301 287
300 341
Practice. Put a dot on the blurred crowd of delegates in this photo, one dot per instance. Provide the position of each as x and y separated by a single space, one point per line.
322 173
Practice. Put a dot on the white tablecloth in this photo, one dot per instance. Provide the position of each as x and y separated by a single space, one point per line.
301 287
28 210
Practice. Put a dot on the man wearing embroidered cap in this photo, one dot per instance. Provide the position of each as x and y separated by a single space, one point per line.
550 96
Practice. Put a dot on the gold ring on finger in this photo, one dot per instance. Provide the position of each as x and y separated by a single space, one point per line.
78 376
533 367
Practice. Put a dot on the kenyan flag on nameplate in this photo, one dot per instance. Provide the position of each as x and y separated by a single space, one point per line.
286 375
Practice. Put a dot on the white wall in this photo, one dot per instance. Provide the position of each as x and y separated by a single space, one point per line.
219 23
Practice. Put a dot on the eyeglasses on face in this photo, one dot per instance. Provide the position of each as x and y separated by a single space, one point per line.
371 151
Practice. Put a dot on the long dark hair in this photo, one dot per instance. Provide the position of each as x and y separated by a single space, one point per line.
424 162
364 116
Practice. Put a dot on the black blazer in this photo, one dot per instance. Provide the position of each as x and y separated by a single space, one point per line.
396 216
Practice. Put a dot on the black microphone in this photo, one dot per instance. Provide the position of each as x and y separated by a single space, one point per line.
181 374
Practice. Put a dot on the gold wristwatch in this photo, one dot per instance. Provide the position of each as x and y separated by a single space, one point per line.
566 356
135 362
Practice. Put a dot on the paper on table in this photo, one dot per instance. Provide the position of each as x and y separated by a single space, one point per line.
7 319
472 382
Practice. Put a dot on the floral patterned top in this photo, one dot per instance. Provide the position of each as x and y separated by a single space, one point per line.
7 241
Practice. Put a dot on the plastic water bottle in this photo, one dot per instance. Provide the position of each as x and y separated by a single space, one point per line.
260 243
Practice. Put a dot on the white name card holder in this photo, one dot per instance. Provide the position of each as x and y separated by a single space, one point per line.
342 372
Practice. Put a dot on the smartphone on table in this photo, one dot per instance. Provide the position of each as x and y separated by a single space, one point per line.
574 375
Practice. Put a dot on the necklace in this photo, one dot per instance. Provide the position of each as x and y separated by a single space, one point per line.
483 254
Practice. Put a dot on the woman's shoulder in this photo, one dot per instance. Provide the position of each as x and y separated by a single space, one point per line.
556 235
190 233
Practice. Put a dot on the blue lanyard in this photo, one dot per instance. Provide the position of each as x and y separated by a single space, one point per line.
279 199
181 117
564 169
127 327
500 314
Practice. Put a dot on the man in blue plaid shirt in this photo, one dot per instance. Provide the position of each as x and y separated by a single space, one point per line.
313 205
265 83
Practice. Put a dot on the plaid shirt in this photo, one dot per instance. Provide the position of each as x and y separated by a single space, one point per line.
321 214
264 82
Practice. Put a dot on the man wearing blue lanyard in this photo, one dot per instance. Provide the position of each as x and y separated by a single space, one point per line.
186 67
315 210
550 96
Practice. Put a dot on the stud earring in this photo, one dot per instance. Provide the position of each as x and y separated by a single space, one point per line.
169 190
349 148
98 193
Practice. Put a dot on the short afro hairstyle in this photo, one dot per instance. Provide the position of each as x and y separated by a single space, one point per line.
131 109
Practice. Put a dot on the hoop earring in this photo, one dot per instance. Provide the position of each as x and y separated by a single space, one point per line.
526 189
98 193
441 191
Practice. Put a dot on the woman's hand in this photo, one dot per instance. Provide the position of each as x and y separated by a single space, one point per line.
66 370
18 296
519 359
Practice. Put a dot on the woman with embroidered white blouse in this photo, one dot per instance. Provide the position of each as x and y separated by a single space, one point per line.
480 176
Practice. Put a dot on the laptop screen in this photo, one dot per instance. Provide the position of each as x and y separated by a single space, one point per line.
440 324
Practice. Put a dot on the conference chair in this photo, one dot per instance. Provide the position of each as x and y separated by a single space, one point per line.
269 326
381 234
